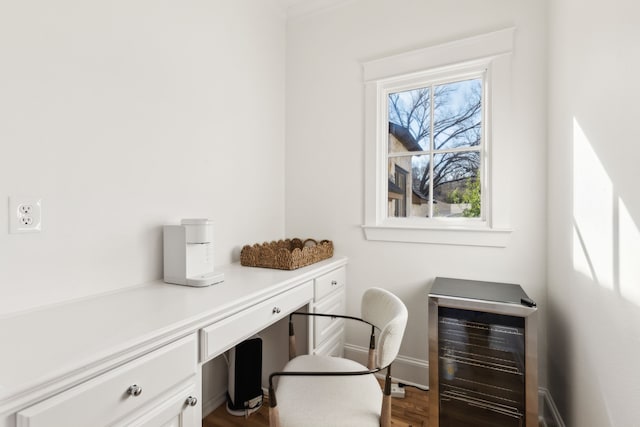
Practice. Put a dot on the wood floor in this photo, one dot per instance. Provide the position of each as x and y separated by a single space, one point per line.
412 411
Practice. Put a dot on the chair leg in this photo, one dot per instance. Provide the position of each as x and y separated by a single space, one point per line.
371 361
292 340
274 414
385 417
274 417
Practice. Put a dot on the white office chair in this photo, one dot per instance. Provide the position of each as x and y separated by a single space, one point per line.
318 390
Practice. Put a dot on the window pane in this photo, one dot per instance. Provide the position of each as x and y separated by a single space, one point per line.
457 114
420 186
456 184
398 186
409 120
408 176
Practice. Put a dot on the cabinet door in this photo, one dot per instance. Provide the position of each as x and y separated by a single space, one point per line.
327 327
179 410
116 394
332 347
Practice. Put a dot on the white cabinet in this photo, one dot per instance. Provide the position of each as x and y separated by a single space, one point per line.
330 298
333 346
126 391
103 369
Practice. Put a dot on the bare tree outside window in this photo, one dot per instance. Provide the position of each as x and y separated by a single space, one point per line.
436 132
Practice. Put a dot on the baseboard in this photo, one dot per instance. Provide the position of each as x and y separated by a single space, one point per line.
212 404
407 370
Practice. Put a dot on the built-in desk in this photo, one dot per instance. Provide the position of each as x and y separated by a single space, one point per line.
83 362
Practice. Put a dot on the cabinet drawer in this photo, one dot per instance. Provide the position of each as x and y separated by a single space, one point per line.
228 332
105 399
171 411
334 346
330 282
324 327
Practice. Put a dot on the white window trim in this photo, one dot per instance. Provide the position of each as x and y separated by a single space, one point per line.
491 51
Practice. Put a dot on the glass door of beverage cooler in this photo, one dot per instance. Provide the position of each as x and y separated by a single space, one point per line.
481 358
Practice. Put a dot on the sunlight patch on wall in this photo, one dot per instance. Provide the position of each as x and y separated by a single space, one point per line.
592 211
629 255
581 263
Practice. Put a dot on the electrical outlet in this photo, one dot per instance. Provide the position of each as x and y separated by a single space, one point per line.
25 215
397 391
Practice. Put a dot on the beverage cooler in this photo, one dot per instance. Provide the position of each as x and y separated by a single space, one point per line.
483 361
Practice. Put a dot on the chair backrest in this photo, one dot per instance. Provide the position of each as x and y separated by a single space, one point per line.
385 310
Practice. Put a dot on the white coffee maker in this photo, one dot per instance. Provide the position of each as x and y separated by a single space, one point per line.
188 253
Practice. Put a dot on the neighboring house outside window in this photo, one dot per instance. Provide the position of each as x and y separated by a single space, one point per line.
398 191
436 120
400 179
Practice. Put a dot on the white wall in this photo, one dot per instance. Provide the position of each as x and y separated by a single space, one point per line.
325 149
124 116
594 212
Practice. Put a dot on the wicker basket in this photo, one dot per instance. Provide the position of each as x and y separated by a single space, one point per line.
286 254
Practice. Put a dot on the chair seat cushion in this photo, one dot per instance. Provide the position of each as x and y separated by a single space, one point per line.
334 401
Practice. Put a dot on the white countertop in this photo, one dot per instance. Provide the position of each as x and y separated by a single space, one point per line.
65 342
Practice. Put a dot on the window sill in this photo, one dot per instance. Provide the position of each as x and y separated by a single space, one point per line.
461 236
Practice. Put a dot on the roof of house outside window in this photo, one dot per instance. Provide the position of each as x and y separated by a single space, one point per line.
403 135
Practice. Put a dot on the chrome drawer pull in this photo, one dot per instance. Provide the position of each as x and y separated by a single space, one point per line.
275 310
192 401
134 390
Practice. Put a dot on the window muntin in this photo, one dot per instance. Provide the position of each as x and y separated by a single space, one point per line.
437 127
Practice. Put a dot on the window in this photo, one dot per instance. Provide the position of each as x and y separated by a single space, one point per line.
436 143
436 135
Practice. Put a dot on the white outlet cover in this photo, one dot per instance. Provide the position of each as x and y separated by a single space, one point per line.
25 215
